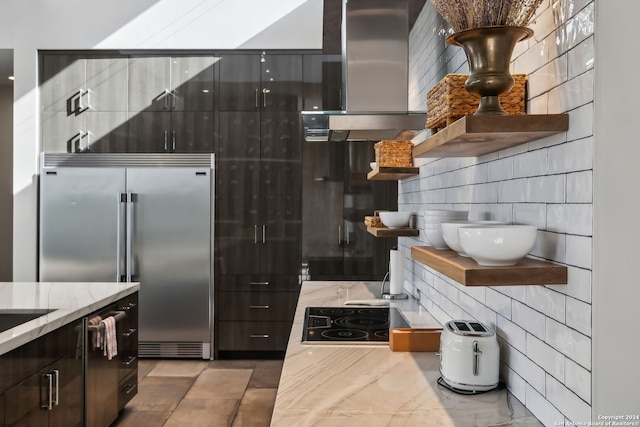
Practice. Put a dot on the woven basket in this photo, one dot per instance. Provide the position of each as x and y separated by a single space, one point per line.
448 100
392 153
374 221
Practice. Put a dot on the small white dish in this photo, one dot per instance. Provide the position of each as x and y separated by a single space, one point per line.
497 245
395 220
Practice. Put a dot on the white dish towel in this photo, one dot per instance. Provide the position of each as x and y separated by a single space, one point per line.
107 339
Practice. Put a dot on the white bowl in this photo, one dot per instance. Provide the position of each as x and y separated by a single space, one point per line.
450 232
497 245
434 237
373 165
395 219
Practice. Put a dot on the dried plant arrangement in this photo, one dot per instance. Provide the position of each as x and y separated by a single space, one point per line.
467 14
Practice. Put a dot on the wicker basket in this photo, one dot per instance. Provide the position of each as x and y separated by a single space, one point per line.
374 221
392 153
448 100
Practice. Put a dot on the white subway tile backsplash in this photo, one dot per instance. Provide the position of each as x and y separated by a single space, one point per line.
579 316
531 214
581 123
532 373
549 76
574 408
569 342
572 156
547 357
514 382
580 187
550 189
578 380
512 191
570 218
518 293
551 246
548 414
581 58
578 284
546 301
512 333
572 94
500 170
579 251
485 193
532 163
538 105
529 319
498 302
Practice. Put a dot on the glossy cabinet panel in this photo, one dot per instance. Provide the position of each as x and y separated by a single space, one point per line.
149 86
322 82
281 82
61 79
149 132
192 82
107 80
240 88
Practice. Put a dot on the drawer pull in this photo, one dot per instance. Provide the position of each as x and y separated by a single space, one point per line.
260 283
130 388
264 307
130 360
129 332
259 336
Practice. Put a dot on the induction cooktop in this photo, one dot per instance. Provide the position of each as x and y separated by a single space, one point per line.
350 325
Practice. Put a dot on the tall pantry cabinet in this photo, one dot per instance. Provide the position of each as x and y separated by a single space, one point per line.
258 209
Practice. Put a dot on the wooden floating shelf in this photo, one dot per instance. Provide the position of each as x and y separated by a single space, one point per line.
386 173
466 271
395 232
472 136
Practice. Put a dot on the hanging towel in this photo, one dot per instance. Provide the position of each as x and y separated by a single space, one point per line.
108 338
96 338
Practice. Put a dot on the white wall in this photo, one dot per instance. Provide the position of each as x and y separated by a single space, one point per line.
616 294
6 178
29 25
544 331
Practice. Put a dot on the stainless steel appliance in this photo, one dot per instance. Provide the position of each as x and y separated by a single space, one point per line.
350 325
469 357
137 218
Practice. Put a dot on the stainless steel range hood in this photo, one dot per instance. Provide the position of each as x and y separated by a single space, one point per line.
375 42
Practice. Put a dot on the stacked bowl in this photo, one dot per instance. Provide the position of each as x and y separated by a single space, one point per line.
432 220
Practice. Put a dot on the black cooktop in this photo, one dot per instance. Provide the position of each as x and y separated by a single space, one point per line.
349 325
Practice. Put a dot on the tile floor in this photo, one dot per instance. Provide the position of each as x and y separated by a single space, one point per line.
225 393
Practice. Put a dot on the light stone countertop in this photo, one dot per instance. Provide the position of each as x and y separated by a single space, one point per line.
341 385
69 302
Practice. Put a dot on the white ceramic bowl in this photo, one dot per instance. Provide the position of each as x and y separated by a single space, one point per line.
395 219
497 245
373 165
450 232
434 236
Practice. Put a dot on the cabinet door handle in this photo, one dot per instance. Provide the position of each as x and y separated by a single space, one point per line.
129 332
166 141
259 336
166 94
255 234
255 307
56 377
130 360
339 235
346 233
49 383
173 141
257 99
260 283
174 95
130 388
265 91
264 234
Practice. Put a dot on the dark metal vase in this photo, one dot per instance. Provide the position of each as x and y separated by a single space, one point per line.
489 51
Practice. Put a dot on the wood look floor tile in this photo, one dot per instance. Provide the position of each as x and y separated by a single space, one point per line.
266 374
255 408
220 384
130 417
160 393
145 366
178 368
232 364
203 413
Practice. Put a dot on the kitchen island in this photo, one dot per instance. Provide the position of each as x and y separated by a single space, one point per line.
67 302
354 384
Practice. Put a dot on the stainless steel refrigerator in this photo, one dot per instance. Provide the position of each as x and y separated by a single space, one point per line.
136 218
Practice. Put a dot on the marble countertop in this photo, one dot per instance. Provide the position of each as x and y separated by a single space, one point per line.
69 302
354 385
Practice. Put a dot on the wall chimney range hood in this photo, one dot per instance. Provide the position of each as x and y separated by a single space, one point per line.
375 38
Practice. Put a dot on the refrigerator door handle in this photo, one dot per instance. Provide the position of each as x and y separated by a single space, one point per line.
122 200
129 236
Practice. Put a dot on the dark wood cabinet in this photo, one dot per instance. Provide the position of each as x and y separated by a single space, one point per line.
322 82
336 197
258 205
48 380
